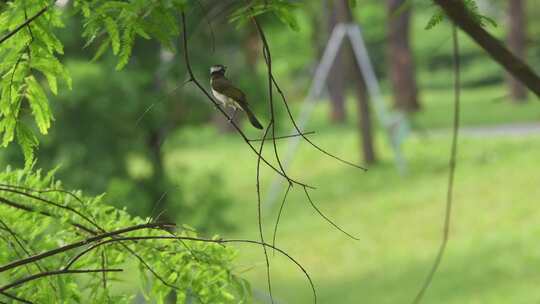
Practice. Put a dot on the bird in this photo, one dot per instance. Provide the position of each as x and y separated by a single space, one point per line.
229 95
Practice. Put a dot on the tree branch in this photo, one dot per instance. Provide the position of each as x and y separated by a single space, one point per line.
193 79
452 165
456 10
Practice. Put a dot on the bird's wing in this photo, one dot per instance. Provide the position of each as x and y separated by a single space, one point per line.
224 86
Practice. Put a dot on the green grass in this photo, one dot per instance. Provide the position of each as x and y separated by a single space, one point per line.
493 255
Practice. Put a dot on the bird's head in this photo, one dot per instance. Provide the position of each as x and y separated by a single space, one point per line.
218 69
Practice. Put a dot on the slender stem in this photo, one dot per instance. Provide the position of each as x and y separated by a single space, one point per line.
452 169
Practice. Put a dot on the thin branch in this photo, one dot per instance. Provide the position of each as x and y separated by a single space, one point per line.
193 79
268 60
104 266
86 218
25 23
82 227
272 80
328 219
259 209
216 241
45 213
19 240
452 165
279 214
283 136
52 273
307 139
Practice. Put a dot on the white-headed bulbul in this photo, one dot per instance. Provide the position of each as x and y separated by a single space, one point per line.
229 95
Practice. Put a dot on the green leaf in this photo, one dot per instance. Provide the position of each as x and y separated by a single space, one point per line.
28 143
103 47
39 104
114 34
128 40
435 19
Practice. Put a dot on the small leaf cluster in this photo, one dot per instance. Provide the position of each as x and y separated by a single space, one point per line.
471 6
116 24
200 272
29 60
281 9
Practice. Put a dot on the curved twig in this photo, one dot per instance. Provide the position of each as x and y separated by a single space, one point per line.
279 214
193 79
284 136
216 241
259 210
327 218
452 165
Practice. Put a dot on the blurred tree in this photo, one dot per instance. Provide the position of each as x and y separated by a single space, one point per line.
365 124
517 37
339 13
400 59
344 62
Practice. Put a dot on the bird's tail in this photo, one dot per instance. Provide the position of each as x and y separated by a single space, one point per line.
252 119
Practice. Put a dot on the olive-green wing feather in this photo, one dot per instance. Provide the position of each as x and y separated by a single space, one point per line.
225 87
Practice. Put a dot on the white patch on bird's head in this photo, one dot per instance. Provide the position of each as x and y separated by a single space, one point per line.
218 68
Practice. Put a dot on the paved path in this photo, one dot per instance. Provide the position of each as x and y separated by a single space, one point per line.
515 129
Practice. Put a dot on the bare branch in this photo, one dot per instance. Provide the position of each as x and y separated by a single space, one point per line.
193 79
452 165
279 214
284 136
328 219
259 209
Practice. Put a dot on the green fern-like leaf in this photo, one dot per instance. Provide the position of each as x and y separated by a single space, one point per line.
114 34
471 6
435 19
128 39
38 102
28 143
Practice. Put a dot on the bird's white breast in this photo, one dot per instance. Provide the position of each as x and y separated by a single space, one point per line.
224 99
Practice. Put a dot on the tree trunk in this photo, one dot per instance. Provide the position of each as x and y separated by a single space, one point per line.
516 43
364 118
336 83
400 59
352 69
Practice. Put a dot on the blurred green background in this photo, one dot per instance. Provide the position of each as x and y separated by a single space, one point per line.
157 147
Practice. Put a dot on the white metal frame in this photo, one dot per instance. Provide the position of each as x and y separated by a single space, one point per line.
395 123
